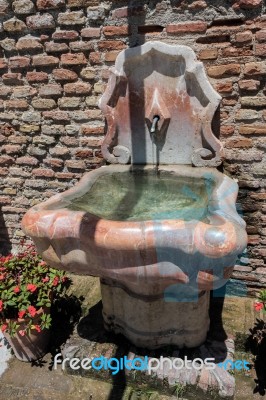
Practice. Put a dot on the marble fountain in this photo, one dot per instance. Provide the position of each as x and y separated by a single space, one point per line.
158 225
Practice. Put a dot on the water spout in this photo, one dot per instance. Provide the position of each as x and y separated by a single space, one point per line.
155 120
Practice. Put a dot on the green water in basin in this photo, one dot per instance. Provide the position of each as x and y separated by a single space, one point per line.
128 196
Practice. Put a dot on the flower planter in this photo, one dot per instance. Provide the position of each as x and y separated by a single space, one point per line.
30 346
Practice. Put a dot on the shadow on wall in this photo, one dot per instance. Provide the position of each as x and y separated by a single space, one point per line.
5 244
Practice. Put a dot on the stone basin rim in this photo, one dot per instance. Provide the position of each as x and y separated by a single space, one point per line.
60 201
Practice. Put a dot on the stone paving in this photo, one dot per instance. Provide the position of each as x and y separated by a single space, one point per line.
39 381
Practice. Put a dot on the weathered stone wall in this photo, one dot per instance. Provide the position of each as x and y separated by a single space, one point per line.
54 60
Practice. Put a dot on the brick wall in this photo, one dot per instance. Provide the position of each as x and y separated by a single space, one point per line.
54 60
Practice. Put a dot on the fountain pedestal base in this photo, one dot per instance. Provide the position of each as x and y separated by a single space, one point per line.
152 321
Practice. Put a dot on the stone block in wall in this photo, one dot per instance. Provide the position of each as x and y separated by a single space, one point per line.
23 7
41 21
71 18
28 44
14 25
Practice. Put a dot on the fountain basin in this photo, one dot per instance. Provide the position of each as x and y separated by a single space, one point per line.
158 241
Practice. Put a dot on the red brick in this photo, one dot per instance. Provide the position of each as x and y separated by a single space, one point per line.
92 130
4 171
239 143
260 49
227 130
123 30
243 37
12 78
42 172
5 91
258 196
19 62
73 59
77 88
111 56
224 87
84 154
69 141
49 4
250 4
3 7
3 63
11 149
47 61
198 5
6 130
24 91
64 175
255 68
81 46
37 77
6 161
43 21
50 90
65 35
219 71
253 240
27 44
111 45
59 116
261 35
16 104
61 74
208 54
52 47
95 58
91 33
252 129
26 161
249 85
54 162
72 164
236 52
187 27
229 101
14 25
5 200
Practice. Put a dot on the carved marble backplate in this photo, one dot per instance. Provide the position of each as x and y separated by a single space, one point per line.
167 81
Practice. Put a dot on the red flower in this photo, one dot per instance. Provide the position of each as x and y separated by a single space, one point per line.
55 281
21 332
16 289
46 279
32 311
31 287
4 327
38 328
43 263
258 306
2 277
21 313
1 305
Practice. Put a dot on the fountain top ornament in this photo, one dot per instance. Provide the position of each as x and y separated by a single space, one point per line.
157 79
